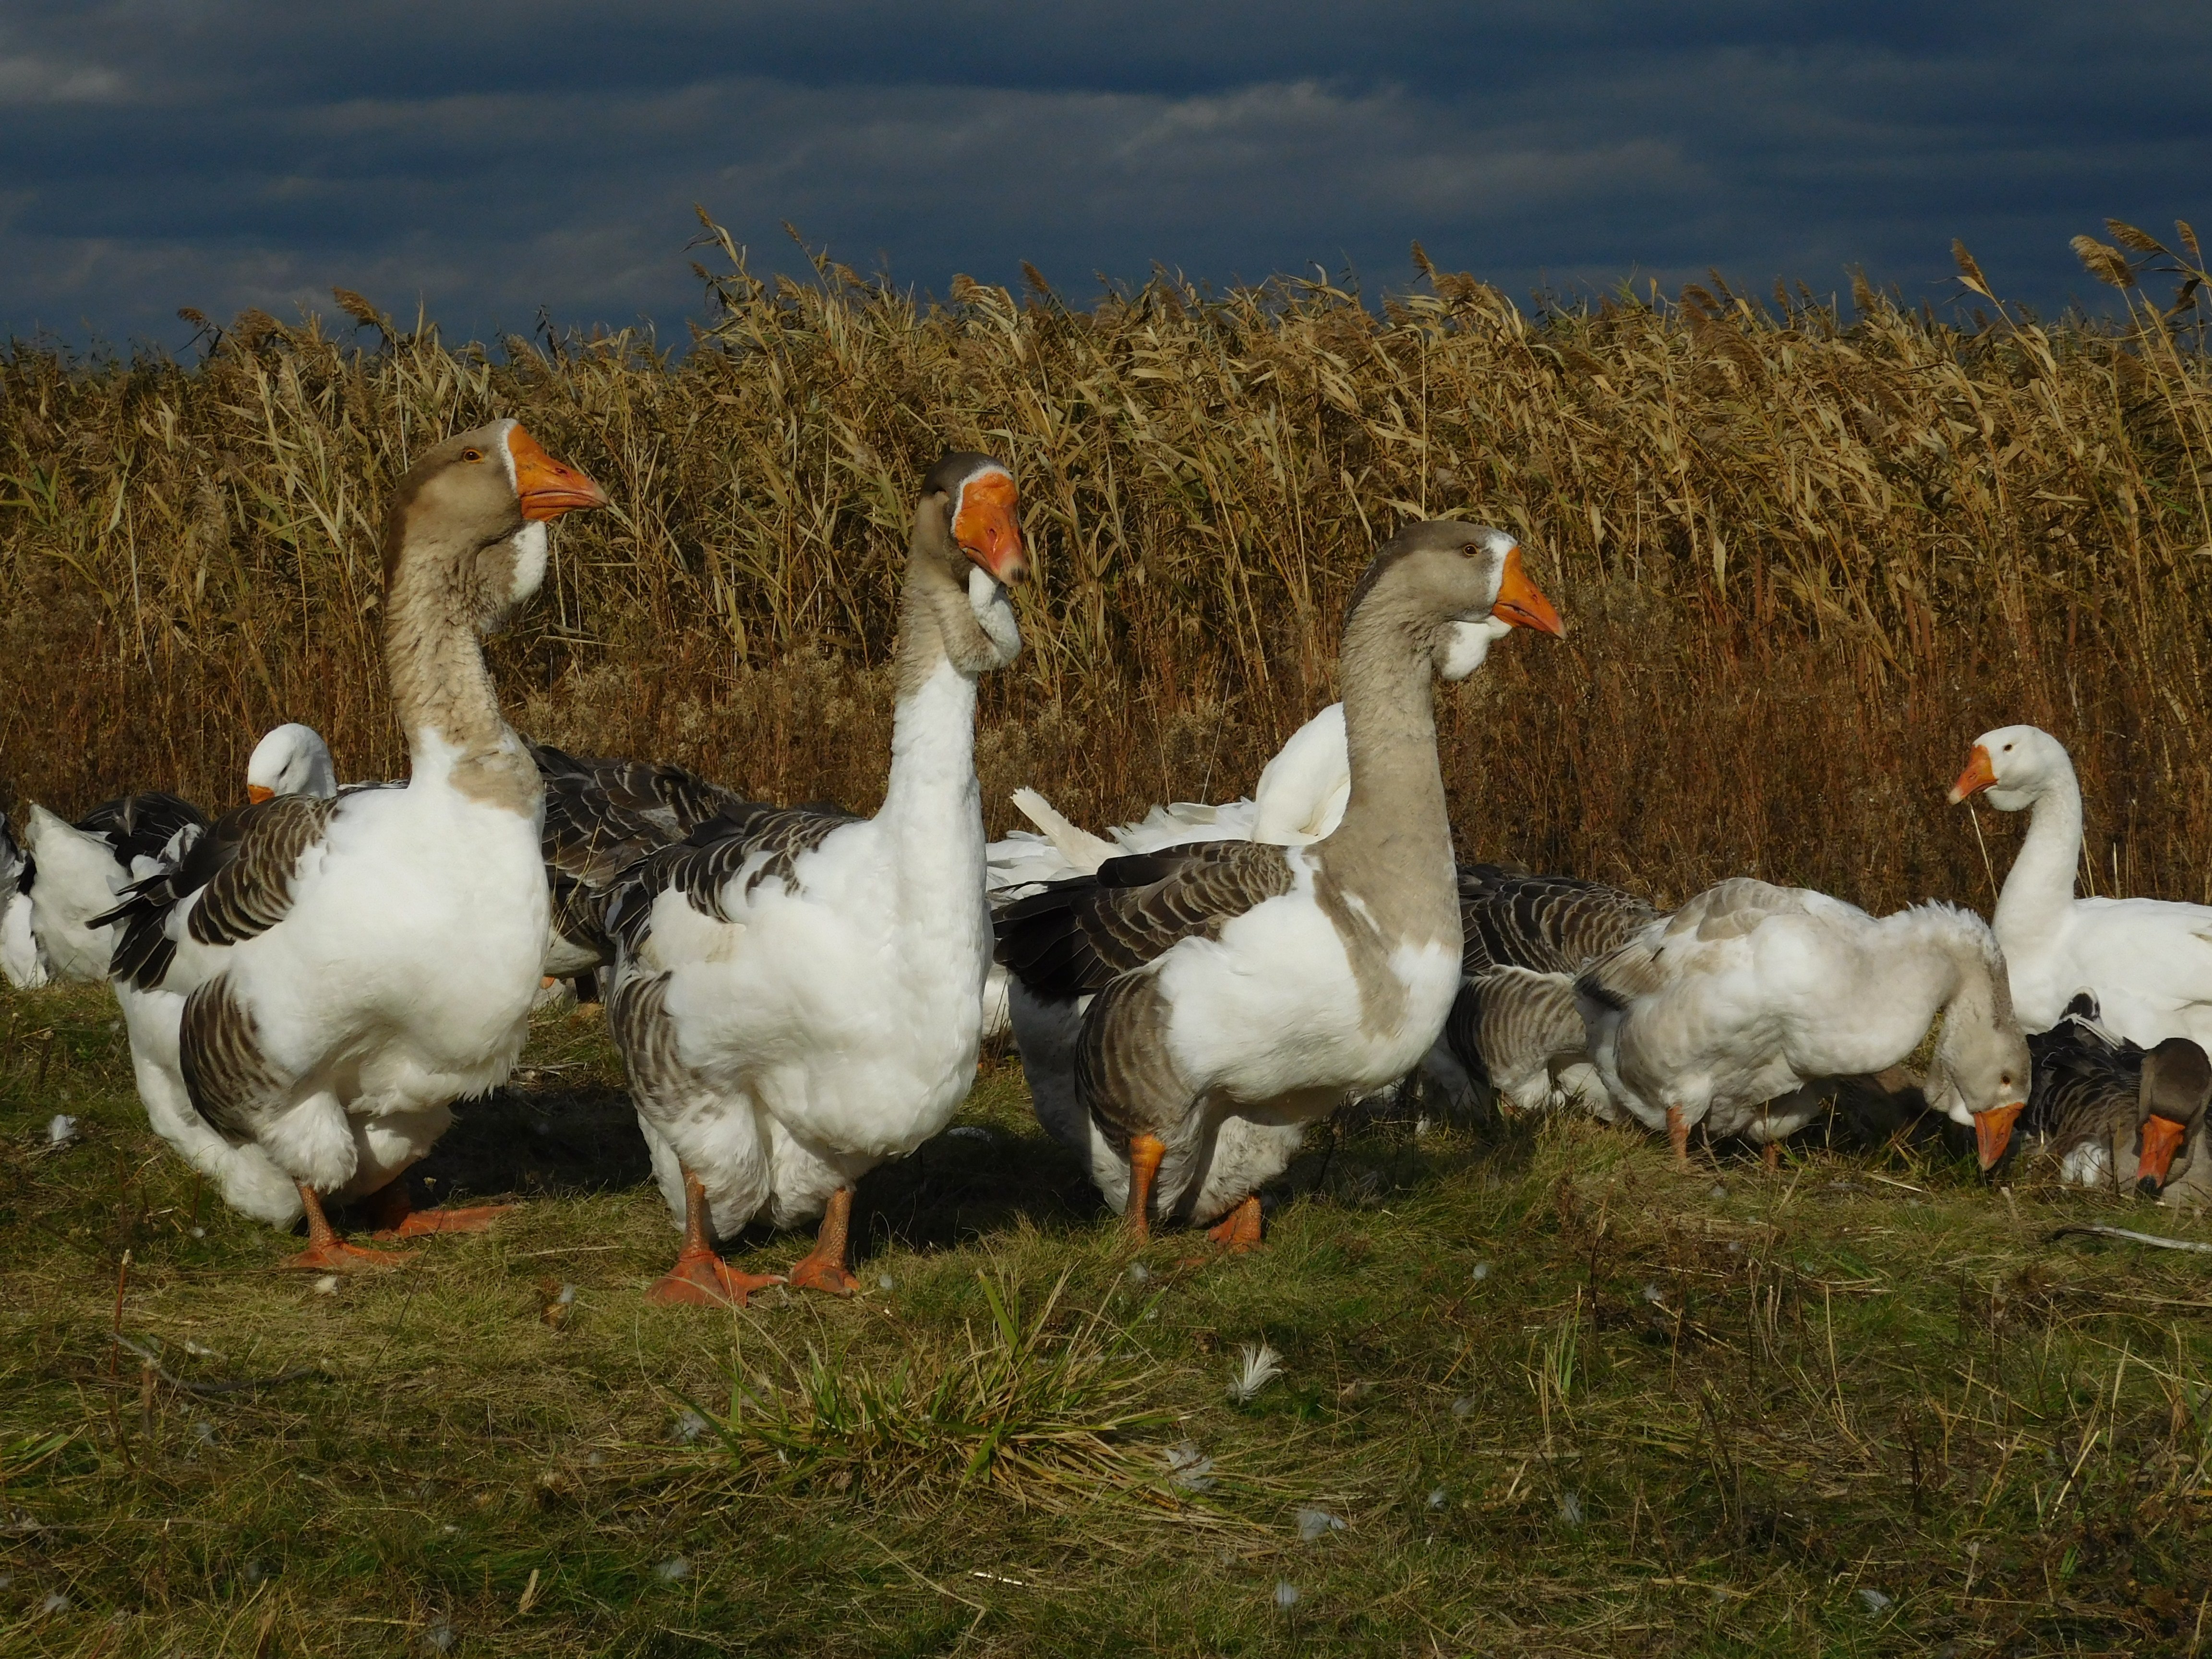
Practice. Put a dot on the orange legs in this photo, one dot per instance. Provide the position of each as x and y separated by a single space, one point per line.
1773 1154
396 1217
1238 1230
1678 1136
700 1276
823 1268
1145 1153
326 1253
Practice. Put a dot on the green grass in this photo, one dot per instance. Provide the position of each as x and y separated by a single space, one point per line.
1564 1400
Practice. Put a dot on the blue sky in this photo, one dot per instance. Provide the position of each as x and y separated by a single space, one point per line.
487 158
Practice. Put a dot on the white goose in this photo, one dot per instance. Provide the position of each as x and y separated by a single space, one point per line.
1741 1009
22 963
798 993
290 760
1184 1015
78 869
321 978
2148 963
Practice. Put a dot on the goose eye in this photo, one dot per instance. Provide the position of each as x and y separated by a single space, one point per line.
472 454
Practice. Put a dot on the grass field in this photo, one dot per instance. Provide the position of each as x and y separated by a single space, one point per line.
1539 1393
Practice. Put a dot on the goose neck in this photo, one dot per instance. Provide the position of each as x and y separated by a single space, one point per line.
442 691
2039 888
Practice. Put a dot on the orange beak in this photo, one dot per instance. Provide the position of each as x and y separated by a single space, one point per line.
1979 776
2161 1140
546 488
986 528
257 793
1521 604
1993 1131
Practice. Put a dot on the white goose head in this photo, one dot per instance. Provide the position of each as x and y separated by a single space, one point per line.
2014 766
292 760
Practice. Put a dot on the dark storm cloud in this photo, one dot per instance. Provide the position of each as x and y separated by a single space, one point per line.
493 158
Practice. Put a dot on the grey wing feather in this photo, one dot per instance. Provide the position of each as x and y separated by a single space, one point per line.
1509 1021
1546 924
704 864
229 1081
1079 936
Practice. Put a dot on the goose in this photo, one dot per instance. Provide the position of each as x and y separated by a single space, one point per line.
1514 1024
320 978
2109 1114
290 760
22 964
1741 1009
1183 1015
797 992
78 869
2148 963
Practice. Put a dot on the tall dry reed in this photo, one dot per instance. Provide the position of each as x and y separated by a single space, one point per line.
1803 560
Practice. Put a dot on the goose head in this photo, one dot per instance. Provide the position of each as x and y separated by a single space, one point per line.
469 518
2177 1082
292 760
1982 1067
2013 765
969 526
1457 587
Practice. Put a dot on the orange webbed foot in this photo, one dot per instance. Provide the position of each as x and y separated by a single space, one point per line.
815 1273
702 1279
417 1224
334 1255
1240 1230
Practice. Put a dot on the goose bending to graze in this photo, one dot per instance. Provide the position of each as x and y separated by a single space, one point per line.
1514 1024
1741 1009
798 993
2148 963
78 869
21 962
321 978
2110 1114
1183 1015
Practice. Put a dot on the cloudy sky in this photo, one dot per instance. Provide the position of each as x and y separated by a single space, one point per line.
489 158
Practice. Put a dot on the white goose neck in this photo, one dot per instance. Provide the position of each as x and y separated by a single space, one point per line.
2039 888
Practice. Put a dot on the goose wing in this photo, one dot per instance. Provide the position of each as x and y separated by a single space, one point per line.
1546 924
1078 936
240 872
704 864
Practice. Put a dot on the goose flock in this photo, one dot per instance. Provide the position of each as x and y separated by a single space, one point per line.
311 980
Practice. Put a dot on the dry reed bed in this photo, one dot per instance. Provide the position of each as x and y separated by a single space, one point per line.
1804 562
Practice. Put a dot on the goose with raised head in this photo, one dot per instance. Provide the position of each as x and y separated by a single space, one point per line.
2109 1115
798 993
1740 1009
1183 1015
321 978
2148 963
1516 1024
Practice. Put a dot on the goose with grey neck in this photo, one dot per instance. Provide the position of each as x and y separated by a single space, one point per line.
2148 963
2111 1115
798 993
321 978
1182 1016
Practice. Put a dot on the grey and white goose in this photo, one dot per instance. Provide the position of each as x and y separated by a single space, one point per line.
320 978
798 993
1182 1016
2110 1114
1515 1024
